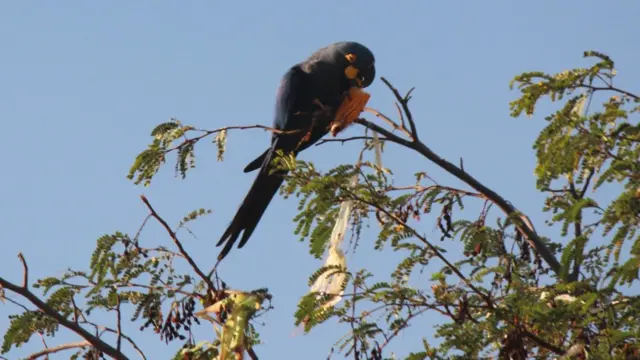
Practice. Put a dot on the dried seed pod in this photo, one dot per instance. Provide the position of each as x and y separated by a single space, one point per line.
349 110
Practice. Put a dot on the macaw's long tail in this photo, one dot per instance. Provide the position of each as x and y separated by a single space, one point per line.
253 206
257 163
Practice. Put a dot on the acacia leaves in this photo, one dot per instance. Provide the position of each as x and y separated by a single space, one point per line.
580 151
133 283
149 161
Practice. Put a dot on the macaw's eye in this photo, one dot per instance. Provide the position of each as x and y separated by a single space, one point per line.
351 58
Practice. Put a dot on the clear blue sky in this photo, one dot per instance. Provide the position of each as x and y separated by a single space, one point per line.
83 83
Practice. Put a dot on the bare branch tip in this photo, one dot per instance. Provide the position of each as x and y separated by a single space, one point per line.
25 276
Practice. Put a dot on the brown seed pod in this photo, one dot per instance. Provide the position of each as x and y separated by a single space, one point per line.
349 110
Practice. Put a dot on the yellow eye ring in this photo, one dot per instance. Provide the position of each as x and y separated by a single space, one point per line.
351 58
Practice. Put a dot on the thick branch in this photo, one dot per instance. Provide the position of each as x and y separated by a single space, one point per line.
49 311
577 226
173 236
542 343
503 204
520 220
119 323
80 344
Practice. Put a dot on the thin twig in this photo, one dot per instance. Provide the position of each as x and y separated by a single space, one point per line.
586 183
356 353
400 115
344 140
610 88
405 323
168 287
17 304
25 275
44 342
434 249
543 343
144 223
388 120
215 131
419 188
178 244
47 351
113 331
404 102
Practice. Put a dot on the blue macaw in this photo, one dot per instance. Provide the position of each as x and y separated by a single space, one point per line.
306 103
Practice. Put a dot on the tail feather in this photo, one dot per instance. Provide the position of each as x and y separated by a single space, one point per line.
257 163
264 187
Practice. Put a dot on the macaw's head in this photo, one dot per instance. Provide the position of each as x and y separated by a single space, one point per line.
355 61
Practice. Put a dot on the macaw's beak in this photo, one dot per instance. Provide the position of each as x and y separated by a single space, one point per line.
367 75
360 79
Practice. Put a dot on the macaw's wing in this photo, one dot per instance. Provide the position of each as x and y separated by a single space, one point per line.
266 185
287 100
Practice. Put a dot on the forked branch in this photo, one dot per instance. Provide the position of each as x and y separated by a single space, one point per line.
177 242
51 312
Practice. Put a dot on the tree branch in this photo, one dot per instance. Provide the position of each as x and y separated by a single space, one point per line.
118 323
124 336
49 311
404 102
419 188
542 343
178 244
431 247
25 275
344 140
520 220
577 231
388 120
586 183
215 131
610 88
79 344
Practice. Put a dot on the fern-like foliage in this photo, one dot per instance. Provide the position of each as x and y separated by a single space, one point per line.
168 137
125 278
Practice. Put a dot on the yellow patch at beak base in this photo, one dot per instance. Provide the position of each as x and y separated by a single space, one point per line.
351 72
